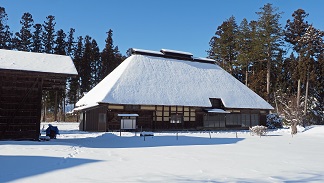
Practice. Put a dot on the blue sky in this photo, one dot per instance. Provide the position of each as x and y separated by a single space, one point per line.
185 25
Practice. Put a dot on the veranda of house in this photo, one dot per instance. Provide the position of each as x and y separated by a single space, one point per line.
159 117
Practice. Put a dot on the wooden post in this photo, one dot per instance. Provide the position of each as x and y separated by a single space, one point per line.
55 107
63 110
44 105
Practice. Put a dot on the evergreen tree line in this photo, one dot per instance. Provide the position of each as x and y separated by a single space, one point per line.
92 64
284 65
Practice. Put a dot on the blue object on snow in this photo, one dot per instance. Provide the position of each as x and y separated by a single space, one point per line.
52 131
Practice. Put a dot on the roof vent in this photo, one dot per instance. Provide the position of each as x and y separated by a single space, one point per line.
177 54
145 52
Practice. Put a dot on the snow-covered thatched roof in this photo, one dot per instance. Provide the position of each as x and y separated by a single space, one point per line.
155 80
36 62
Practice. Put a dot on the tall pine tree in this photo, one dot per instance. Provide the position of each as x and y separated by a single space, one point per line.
85 66
37 45
70 44
244 48
72 81
317 108
311 50
60 47
108 56
74 84
257 80
271 37
49 34
23 41
48 37
5 34
96 63
224 45
294 30
60 43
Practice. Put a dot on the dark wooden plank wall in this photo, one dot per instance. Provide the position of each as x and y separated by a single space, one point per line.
20 101
157 117
92 119
20 107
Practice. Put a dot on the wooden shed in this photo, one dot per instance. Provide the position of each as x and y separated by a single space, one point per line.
94 119
173 90
23 78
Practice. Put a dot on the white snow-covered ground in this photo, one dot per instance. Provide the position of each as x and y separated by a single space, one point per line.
191 157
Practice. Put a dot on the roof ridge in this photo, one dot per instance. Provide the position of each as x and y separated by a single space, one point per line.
173 54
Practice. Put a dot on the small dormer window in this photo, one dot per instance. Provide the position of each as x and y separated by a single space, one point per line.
216 103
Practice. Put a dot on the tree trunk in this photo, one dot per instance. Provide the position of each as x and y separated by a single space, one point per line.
268 80
298 94
246 75
298 87
306 95
275 97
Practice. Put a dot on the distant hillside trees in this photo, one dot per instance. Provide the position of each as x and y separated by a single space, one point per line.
255 53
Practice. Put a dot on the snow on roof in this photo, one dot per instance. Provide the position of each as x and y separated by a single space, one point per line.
128 115
148 80
204 59
80 108
175 51
36 62
217 111
146 51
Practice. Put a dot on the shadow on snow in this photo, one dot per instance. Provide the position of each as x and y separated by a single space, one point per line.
112 140
109 140
19 167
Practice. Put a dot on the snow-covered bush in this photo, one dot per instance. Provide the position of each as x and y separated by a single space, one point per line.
258 130
288 109
274 121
